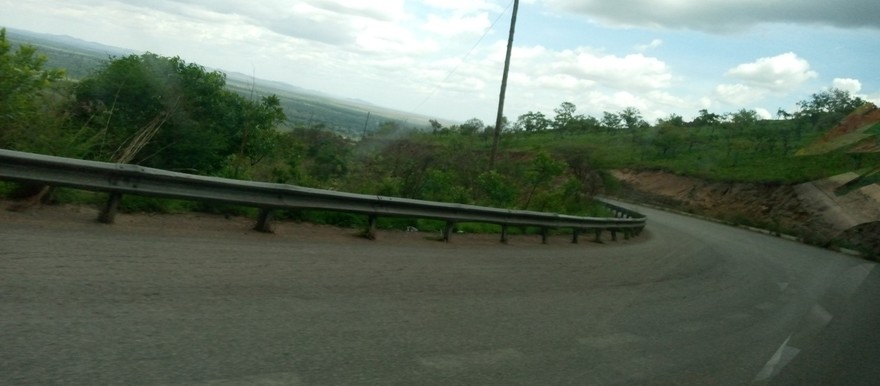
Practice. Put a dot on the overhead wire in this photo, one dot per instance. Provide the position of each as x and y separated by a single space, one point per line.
463 59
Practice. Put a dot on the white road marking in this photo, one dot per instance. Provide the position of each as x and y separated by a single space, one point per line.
780 358
853 278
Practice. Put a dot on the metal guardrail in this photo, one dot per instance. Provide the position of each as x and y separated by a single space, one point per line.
118 179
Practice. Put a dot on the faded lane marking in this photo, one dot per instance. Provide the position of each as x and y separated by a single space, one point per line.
780 358
850 280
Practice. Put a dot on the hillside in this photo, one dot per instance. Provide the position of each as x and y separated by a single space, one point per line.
859 132
834 210
305 108
737 161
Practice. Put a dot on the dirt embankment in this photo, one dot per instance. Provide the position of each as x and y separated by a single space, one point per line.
812 211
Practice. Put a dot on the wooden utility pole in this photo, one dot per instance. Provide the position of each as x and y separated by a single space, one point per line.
500 118
364 136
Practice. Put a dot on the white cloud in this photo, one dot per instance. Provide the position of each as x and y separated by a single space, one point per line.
652 45
706 102
724 15
624 99
527 53
847 84
560 81
739 94
387 39
458 24
778 73
463 6
398 52
666 99
634 71
763 113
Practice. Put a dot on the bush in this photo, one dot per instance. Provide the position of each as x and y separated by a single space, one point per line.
140 204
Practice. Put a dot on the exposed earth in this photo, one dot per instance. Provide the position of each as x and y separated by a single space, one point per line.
823 212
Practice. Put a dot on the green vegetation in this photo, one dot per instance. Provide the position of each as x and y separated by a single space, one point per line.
731 147
163 112
26 88
303 108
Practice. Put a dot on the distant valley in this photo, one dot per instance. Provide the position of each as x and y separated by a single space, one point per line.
307 108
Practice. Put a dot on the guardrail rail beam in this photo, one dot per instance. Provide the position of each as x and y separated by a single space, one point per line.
119 179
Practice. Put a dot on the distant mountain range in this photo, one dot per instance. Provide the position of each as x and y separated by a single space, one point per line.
304 107
64 41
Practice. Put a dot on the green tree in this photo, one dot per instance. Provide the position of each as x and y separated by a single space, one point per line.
182 115
533 122
436 126
564 115
706 119
831 101
670 136
326 156
471 126
499 190
632 118
585 123
823 110
611 122
24 85
542 170
744 119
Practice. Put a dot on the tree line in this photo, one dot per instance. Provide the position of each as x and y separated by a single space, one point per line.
163 112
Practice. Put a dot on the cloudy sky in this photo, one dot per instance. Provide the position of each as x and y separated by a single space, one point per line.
444 58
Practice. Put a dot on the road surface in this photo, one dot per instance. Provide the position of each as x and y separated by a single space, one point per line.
689 302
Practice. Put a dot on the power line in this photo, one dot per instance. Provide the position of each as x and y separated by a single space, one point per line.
463 58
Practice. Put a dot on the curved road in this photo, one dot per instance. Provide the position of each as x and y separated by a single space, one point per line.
689 302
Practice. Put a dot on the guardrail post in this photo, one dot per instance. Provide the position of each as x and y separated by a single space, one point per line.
574 235
598 235
544 234
108 214
614 235
447 231
370 232
504 234
264 221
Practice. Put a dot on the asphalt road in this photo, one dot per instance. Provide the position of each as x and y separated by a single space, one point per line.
690 302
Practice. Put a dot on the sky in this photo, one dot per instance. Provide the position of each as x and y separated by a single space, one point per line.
444 58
